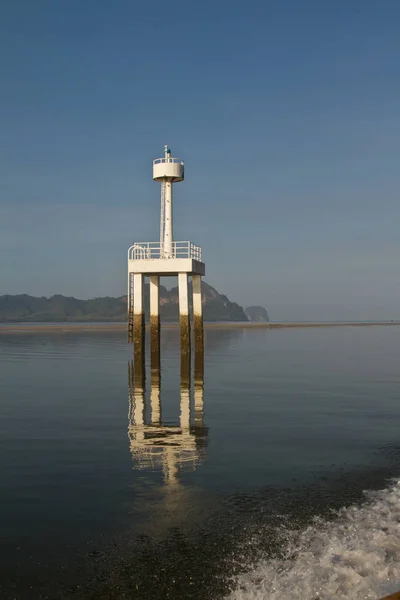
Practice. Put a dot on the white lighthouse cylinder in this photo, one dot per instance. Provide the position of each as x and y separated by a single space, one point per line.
168 232
167 171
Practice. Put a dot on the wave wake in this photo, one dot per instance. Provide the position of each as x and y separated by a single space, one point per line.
355 556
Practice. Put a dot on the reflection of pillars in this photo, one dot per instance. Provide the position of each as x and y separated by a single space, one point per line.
155 400
198 405
155 322
184 313
138 325
130 392
185 398
198 389
170 467
139 406
185 370
197 314
136 397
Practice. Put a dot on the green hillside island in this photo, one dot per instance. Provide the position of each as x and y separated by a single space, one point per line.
29 309
258 314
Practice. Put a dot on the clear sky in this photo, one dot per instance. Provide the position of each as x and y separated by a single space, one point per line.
286 112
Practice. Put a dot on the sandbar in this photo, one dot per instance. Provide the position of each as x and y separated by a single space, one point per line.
113 327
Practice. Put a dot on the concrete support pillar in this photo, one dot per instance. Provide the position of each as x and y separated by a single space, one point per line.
184 313
197 314
138 325
155 323
130 308
155 364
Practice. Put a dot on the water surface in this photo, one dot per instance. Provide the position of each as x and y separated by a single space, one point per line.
290 425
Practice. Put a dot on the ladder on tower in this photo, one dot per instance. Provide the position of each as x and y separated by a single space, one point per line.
130 308
162 219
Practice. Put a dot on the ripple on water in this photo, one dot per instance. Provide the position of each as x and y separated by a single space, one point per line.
243 503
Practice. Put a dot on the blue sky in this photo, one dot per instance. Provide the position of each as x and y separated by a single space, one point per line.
285 112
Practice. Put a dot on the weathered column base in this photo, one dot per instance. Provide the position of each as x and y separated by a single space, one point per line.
139 361
185 369
130 327
198 331
199 366
184 320
138 327
130 308
155 343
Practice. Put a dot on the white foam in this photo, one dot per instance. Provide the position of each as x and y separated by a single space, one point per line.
356 556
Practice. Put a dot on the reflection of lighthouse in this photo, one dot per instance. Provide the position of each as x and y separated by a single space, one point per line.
155 445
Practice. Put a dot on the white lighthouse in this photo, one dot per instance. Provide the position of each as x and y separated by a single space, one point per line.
164 258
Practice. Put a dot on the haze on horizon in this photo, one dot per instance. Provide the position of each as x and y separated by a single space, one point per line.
287 117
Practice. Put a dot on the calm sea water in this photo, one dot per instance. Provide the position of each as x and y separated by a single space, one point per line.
277 479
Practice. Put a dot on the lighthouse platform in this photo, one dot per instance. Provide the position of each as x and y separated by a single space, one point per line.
150 258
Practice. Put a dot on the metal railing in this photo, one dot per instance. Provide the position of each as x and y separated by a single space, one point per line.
155 250
168 160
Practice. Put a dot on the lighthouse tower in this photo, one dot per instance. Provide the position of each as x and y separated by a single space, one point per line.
164 258
167 171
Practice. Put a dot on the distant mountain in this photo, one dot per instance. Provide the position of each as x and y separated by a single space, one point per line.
24 308
257 313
